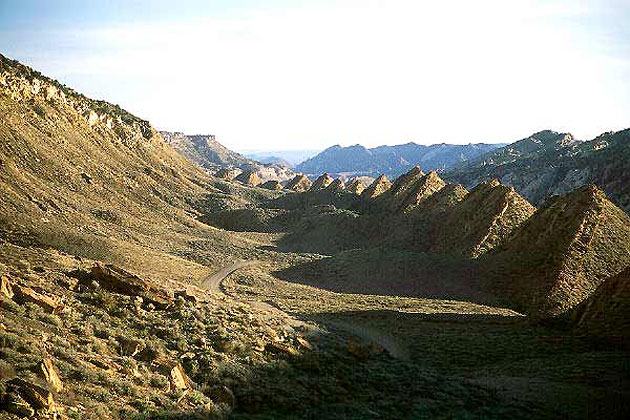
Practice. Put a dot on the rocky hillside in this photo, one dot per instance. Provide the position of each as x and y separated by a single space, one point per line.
208 153
101 256
548 163
473 225
390 160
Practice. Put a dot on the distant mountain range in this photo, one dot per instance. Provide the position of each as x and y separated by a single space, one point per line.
292 157
276 160
391 160
548 163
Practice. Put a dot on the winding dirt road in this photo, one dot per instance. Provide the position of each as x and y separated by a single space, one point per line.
214 282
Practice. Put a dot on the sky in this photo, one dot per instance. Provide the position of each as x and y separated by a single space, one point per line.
289 75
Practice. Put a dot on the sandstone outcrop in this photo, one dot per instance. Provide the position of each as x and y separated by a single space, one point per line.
50 304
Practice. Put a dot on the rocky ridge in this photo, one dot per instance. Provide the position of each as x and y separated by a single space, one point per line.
299 183
376 188
321 182
493 224
570 245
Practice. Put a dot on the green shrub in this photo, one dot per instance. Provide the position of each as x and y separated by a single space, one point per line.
39 110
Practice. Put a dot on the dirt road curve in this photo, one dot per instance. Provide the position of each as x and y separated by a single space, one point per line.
213 282
395 349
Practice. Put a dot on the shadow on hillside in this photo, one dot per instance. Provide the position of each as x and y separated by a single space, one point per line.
391 272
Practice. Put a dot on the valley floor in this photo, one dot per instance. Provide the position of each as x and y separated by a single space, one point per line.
518 367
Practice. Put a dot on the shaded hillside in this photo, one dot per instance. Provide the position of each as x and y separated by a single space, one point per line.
605 312
561 254
480 221
549 163
387 271
390 160
446 219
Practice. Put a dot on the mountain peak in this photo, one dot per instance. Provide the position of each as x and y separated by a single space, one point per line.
299 183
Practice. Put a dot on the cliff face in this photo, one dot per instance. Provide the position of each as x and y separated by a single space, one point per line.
207 152
22 84
549 163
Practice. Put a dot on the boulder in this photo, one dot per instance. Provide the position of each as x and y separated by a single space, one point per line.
280 348
305 344
176 375
117 280
50 304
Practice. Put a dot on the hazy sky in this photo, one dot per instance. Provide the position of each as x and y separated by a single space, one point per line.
309 74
